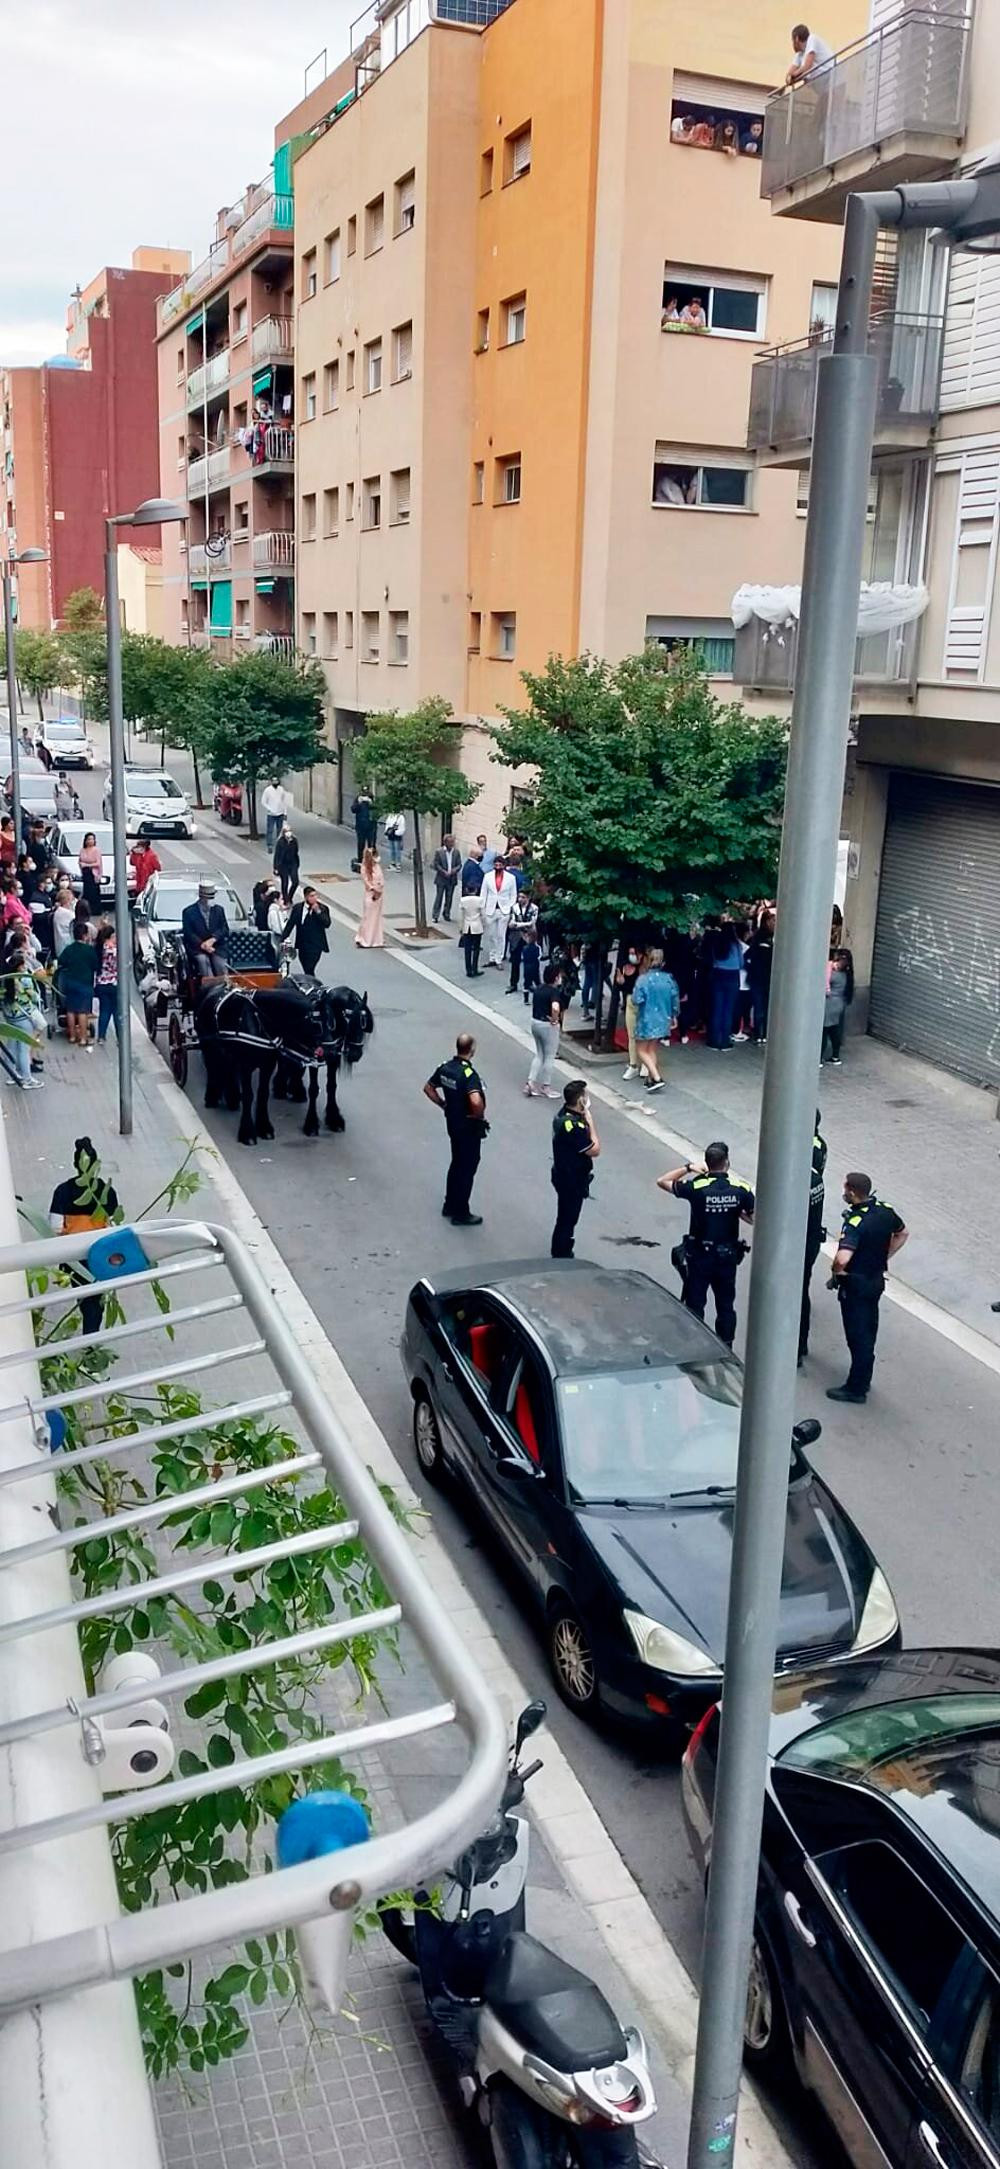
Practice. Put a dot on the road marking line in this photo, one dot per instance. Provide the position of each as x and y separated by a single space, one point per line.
593 1868
898 1292
185 852
225 851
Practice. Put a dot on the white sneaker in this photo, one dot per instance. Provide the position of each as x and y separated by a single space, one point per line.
631 1071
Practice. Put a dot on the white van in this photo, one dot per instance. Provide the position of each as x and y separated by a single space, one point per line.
67 742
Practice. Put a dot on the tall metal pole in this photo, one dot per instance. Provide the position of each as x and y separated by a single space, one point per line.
8 634
116 724
838 495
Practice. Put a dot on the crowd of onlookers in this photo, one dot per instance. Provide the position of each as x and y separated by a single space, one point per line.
57 946
736 138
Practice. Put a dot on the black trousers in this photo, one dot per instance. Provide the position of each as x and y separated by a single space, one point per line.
472 943
859 1301
444 890
515 946
466 1147
814 1240
571 1198
705 1269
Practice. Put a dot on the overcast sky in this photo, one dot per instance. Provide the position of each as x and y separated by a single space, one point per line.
125 124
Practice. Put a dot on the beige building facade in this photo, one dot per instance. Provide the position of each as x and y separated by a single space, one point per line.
515 436
917 98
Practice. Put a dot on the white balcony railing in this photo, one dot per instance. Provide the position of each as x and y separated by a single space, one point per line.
273 211
272 340
211 472
275 644
275 551
203 559
211 377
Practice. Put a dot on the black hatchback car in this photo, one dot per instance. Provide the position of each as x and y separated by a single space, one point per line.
876 1966
597 1423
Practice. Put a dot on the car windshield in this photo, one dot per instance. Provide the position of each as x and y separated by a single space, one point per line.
649 1435
850 1745
70 838
172 899
65 730
149 786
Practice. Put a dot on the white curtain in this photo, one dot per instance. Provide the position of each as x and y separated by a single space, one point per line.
881 606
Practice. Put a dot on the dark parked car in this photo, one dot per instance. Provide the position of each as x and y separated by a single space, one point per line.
877 1956
597 1423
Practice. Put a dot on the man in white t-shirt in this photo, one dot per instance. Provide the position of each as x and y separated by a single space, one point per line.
810 52
277 805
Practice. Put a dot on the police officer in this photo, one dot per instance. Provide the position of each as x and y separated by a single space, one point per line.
575 1147
460 1093
815 1234
871 1234
711 1250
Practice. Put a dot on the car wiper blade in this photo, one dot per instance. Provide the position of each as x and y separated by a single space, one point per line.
705 1491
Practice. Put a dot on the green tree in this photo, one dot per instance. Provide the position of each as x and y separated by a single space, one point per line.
654 800
403 761
39 663
83 611
261 716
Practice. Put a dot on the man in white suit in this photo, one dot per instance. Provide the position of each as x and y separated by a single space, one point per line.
498 897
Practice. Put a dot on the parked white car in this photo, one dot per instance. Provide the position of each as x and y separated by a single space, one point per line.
67 742
155 805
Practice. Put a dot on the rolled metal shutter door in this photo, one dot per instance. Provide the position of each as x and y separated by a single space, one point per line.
936 965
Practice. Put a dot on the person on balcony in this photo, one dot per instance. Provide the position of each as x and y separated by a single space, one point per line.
811 52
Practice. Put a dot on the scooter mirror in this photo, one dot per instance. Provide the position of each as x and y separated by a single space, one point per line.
528 1722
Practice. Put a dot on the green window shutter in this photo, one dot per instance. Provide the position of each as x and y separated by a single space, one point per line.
222 606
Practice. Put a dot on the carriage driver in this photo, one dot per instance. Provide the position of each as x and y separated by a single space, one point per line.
205 932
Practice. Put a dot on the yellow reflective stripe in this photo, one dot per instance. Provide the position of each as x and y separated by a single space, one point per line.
701 1182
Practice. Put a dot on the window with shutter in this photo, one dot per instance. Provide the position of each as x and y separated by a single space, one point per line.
973 564
970 375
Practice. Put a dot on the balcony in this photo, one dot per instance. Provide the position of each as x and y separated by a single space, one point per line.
272 339
208 473
275 644
274 212
211 378
202 560
260 212
764 657
908 350
274 552
274 451
888 109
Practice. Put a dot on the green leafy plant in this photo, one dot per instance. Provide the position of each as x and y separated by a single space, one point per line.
261 716
404 760
189 2022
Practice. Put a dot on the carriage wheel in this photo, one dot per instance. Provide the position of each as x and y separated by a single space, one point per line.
178 1053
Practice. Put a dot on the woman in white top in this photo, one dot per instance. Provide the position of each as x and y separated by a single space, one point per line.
63 915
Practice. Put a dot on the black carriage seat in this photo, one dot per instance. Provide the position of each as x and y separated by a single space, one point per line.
554 2011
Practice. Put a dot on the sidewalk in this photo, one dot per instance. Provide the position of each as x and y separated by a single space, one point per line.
929 1140
371 2092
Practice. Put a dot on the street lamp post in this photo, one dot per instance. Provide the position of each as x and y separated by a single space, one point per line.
155 512
23 557
967 213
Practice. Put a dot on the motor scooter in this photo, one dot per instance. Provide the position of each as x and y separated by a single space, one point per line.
541 2058
227 800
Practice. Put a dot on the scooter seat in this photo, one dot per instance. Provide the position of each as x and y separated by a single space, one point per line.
554 2011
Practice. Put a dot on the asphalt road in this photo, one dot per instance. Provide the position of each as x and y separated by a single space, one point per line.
357 1218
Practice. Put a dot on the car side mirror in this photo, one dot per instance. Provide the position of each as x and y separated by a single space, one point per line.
806 1433
522 1471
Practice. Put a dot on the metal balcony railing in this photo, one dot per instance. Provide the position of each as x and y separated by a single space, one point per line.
274 551
279 447
909 78
274 211
764 656
203 559
211 471
198 1285
211 377
272 339
908 350
275 643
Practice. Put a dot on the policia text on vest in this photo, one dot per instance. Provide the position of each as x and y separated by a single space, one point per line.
458 1090
709 1256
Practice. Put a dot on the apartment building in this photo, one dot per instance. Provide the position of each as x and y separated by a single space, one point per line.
532 274
78 435
916 97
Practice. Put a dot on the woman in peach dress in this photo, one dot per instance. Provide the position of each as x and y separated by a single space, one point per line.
370 934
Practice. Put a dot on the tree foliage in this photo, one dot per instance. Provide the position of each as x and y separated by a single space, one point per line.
654 800
83 611
38 659
261 716
403 760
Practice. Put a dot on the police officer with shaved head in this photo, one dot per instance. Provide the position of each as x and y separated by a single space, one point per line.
709 1256
458 1090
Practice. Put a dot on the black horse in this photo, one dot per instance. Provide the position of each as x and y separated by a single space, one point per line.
276 1034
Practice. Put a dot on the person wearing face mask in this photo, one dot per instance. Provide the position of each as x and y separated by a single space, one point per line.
575 1147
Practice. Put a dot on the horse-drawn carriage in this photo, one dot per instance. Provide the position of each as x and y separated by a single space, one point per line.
169 992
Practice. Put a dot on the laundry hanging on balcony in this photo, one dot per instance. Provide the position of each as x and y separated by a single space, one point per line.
882 606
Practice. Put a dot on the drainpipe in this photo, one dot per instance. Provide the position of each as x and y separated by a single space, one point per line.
73 2086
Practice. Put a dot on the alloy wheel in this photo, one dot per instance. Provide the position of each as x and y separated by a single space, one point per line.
758 2025
427 1439
573 1661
